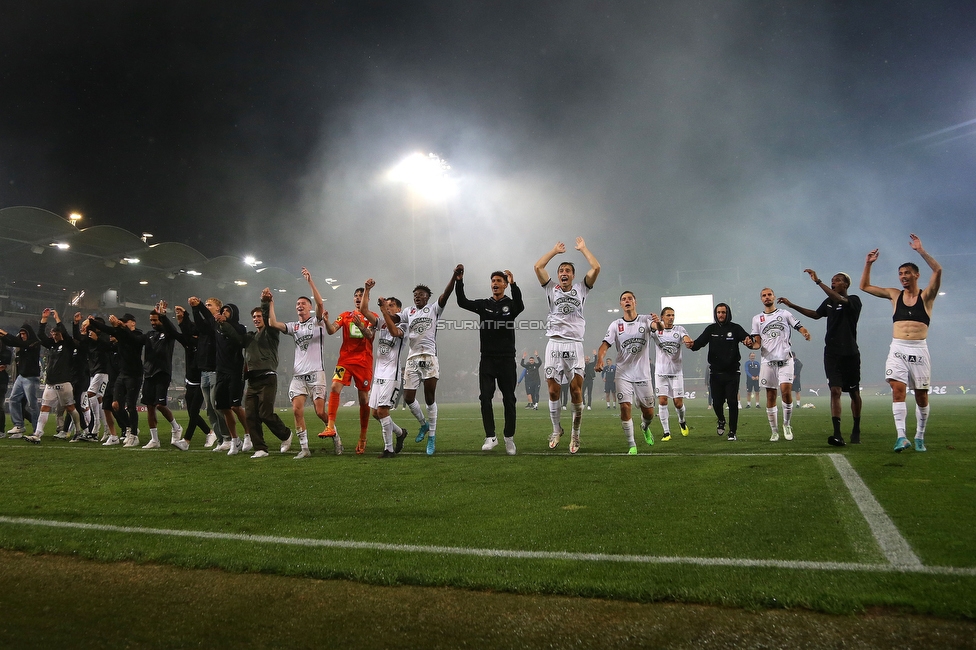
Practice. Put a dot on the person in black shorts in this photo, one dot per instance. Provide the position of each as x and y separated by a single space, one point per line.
842 360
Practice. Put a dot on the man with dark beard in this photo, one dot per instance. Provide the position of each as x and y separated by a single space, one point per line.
723 338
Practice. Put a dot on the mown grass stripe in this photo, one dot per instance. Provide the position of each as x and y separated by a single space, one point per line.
500 553
893 545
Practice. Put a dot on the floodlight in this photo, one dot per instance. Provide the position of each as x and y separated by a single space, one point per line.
425 174
74 218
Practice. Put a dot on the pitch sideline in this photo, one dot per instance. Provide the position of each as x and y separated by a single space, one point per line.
498 553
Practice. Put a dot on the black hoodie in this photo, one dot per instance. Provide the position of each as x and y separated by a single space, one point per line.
723 341
230 351
131 343
206 347
28 354
61 355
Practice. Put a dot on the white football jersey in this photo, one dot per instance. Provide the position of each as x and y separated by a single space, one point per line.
632 341
309 349
669 344
420 327
775 330
386 351
566 310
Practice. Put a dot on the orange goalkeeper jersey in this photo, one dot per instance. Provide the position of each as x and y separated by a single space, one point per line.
356 348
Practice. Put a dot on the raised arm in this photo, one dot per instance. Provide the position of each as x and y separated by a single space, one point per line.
833 295
809 313
462 299
168 325
867 287
272 321
449 289
540 266
42 334
519 306
320 312
935 282
364 304
594 271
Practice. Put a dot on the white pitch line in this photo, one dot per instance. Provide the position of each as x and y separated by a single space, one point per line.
500 553
892 544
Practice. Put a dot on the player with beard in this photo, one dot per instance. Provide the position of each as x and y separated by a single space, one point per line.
771 336
157 373
723 338
908 364
565 328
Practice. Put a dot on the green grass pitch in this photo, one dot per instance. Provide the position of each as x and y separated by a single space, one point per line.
749 524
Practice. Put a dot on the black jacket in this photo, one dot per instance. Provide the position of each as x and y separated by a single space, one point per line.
131 343
189 343
497 320
60 358
96 349
159 348
206 331
723 341
28 355
230 348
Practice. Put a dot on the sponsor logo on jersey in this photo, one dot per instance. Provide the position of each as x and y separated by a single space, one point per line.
670 348
774 329
421 325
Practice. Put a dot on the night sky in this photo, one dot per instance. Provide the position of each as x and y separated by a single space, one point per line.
740 142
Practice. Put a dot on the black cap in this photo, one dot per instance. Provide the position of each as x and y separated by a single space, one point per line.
127 317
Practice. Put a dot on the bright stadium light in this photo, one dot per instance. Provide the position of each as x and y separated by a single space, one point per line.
74 218
425 174
250 260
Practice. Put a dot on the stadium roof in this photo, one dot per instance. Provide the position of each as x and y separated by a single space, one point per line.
45 255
